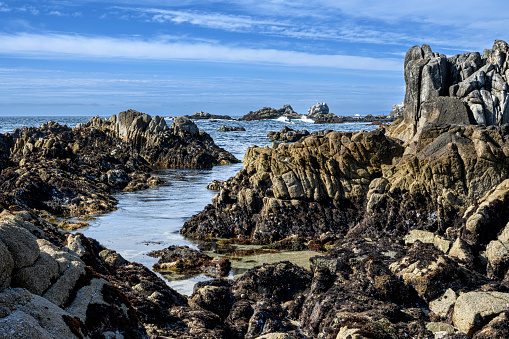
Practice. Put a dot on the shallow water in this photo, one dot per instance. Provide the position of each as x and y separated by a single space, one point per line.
151 219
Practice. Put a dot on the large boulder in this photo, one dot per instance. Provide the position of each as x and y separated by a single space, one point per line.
473 310
21 244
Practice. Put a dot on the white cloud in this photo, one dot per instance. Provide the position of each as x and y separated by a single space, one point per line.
69 46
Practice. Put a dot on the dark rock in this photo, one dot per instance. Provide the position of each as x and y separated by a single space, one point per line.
225 128
206 116
214 296
280 282
74 171
179 258
287 134
272 113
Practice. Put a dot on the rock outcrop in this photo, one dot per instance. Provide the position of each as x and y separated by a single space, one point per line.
462 89
207 116
71 172
415 232
397 111
318 110
287 134
272 113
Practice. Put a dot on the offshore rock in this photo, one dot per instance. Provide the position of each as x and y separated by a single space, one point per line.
272 113
206 116
225 128
318 110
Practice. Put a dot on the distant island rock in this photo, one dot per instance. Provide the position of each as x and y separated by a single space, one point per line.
207 116
225 128
320 109
397 111
272 113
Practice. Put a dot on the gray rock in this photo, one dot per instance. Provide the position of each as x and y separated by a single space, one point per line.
318 109
21 244
37 277
31 316
71 268
443 304
473 310
87 295
183 125
6 266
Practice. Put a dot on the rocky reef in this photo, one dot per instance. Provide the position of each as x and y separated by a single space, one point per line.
272 113
72 172
414 215
207 116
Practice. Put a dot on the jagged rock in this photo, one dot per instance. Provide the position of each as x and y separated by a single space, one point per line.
74 171
318 110
463 89
397 111
296 180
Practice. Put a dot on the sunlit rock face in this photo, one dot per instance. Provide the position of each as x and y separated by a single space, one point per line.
467 88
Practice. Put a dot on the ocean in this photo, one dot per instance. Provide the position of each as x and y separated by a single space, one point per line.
151 219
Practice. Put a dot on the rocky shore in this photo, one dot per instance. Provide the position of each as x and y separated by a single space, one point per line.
72 172
414 216
412 221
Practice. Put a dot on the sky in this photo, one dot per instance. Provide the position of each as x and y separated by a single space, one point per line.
170 58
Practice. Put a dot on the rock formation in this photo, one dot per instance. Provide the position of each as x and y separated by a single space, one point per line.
207 116
462 89
272 113
287 134
397 111
318 110
225 128
72 172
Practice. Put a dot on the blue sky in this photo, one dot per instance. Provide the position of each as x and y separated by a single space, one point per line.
80 57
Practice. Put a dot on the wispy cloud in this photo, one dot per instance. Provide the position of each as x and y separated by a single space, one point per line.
70 46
